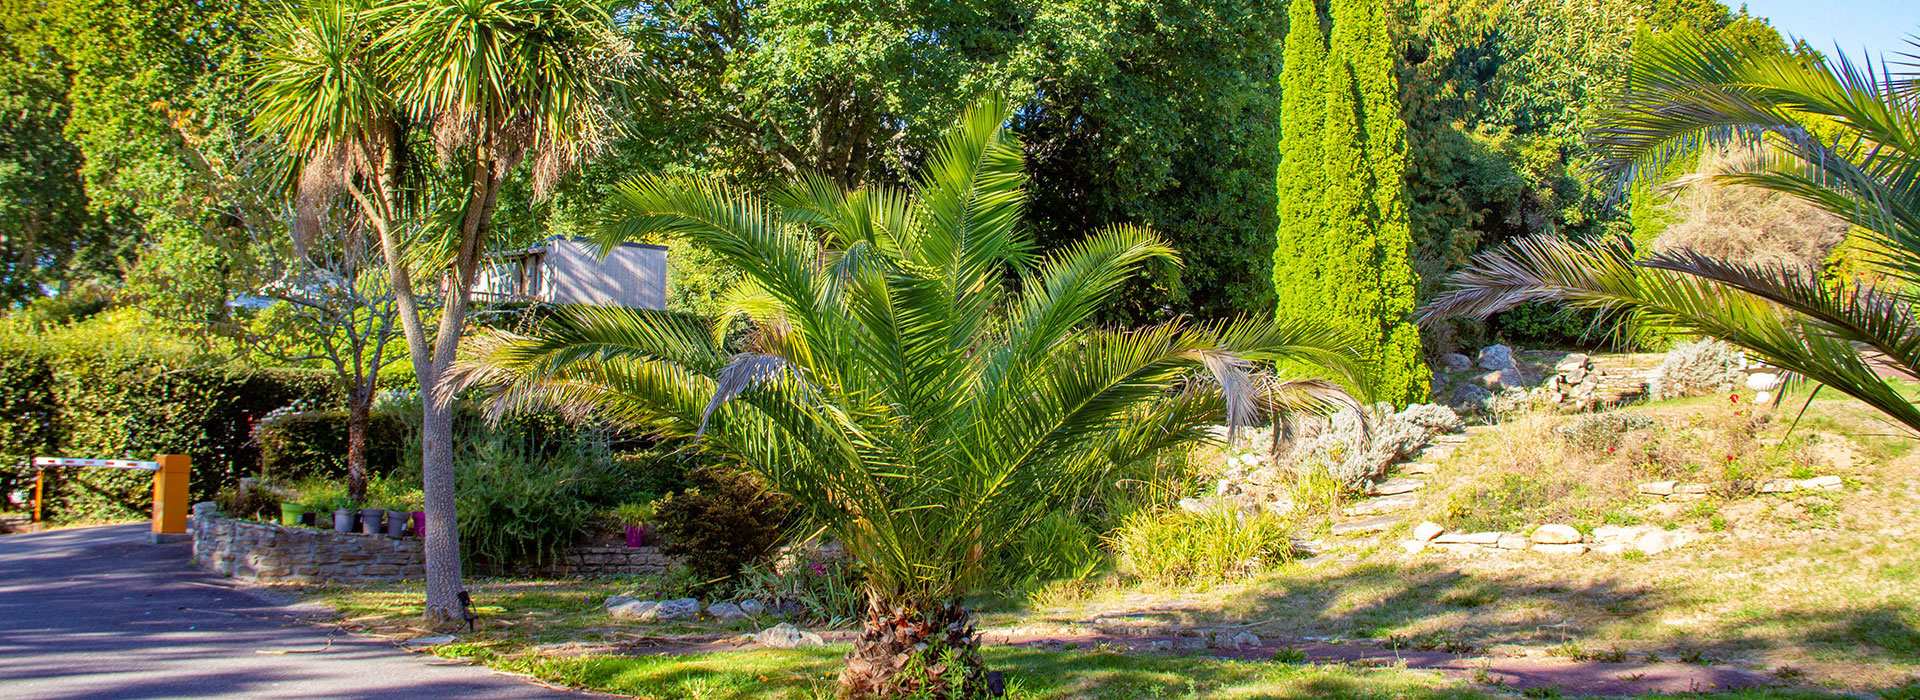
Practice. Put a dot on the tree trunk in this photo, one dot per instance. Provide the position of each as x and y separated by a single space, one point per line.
437 481
928 650
359 406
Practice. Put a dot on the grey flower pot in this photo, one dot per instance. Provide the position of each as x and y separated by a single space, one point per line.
370 520
396 523
343 520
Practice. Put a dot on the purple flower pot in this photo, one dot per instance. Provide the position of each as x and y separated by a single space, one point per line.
419 524
637 535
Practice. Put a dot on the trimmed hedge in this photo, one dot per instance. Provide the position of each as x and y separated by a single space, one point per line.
110 390
295 446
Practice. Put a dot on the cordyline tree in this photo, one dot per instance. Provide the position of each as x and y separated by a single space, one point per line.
1344 247
1842 138
898 387
386 100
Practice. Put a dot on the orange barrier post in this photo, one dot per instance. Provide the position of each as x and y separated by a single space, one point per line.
170 495
39 491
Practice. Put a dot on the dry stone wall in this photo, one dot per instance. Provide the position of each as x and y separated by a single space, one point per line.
274 554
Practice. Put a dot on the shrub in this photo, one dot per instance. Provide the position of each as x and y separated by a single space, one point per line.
726 521
1178 548
1058 547
518 502
825 594
1600 431
1699 367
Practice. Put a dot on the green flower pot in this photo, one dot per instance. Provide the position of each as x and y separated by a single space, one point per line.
290 513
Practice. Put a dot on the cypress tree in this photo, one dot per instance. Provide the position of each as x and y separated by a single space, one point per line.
1353 267
1401 366
1296 258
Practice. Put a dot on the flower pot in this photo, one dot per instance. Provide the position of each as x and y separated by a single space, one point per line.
636 535
396 523
309 518
290 514
370 520
419 524
343 520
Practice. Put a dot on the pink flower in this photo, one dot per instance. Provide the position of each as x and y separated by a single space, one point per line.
1734 398
819 568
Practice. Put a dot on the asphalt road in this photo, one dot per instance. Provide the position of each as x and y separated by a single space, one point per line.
99 613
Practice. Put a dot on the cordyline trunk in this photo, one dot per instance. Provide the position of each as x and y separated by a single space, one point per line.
926 650
359 409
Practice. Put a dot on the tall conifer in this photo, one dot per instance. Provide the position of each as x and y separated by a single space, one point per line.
1296 258
1354 267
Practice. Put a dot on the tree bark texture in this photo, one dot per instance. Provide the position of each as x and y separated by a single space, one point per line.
929 650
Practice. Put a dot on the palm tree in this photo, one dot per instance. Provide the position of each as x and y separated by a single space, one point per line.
895 384
491 83
1840 137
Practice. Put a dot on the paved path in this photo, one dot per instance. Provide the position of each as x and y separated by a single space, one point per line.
99 613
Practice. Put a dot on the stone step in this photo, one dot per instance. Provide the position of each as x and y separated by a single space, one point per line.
1365 525
1419 468
1393 487
1383 504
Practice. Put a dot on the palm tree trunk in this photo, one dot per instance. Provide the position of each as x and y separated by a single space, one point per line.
929 650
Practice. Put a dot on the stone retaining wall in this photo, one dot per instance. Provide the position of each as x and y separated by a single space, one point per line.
275 554
268 553
604 561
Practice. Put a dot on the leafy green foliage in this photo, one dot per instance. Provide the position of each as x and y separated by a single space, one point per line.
299 444
725 522
520 501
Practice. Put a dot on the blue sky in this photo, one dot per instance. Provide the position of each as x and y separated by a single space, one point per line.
1873 26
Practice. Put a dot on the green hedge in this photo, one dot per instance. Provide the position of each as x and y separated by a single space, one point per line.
294 446
111 390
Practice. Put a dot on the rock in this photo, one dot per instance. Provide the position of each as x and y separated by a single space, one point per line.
1690 489
1496 357
1427 530
1575 375
613 601
428 641
1560 548
1659 541
786 636
1413 546
1244 640
1763 397
1354 527
1658 488
1419 468
1820 483
1573 361
1396 486
753 607
1455 362
1556 534
1200 505
1763 381
1512 541
1281 506
1500 380
1469 397
1160 645
678 609
634 610
1190 643
1480 538
726 611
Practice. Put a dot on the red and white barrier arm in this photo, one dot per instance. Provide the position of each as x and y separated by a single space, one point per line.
107 463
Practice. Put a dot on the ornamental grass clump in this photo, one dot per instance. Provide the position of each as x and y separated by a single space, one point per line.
1176 548
920 382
